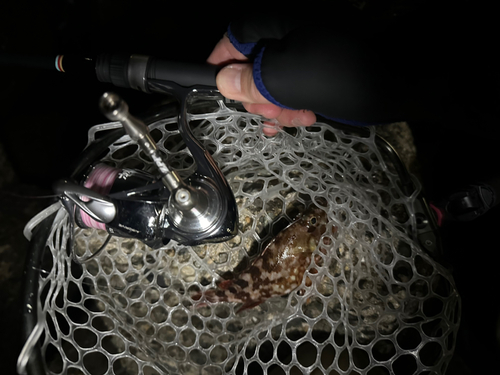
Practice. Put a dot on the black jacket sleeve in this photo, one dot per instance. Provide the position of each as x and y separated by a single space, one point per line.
360 78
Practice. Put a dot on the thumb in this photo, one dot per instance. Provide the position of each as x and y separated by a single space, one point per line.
236 82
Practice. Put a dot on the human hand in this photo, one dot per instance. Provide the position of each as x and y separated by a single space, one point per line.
235 81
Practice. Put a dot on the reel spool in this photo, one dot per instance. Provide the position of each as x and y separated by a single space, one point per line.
106 180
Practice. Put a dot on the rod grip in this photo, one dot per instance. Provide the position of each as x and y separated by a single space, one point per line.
130 71
184 74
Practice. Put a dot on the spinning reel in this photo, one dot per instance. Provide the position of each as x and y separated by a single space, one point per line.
153 208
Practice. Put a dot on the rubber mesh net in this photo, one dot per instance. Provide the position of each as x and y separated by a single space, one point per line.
374 303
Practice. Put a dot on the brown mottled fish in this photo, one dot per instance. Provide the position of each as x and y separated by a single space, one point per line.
281 266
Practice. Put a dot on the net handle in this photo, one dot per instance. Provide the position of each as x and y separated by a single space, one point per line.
30 360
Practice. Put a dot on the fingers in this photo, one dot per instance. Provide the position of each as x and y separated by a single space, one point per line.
235 81
289 117
269 111
225 53
283 116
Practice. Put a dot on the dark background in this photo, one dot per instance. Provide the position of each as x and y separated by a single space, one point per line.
45 115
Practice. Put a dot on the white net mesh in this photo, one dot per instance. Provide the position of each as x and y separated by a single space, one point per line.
372 303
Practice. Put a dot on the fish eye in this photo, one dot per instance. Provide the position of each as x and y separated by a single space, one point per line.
313 221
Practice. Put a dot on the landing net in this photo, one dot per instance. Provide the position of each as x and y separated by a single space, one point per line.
373 303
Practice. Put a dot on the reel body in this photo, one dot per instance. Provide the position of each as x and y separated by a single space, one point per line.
143 208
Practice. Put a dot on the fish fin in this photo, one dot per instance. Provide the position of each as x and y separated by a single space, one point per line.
248 305
225 284
215 295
